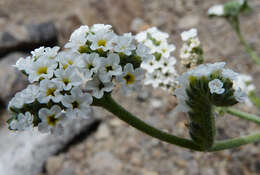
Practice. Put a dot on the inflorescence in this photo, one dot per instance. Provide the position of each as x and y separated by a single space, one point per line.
65 84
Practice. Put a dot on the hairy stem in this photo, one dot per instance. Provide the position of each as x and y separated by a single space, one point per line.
109 104
236 142
243 115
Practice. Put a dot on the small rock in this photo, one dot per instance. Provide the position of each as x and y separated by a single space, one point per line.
17 37
11 80
103 132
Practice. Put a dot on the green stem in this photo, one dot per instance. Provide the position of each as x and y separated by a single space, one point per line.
109 104
232 143
235 24
243 115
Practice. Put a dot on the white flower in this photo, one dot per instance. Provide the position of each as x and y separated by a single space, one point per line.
47 52
153 78
123 44
141 37
68 77
101 40
167 64
240 95
98 88
68 58
51 120
77 104
216 86
186 35
228 73
78 38
244 82
109 67
17 101
143 52
217 10
50 90
26 96
42 68
24 64
150 65
98 27
157 34
89 64
165 49
131 78
23 122
30 94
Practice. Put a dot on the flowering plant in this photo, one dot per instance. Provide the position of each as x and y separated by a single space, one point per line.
66 84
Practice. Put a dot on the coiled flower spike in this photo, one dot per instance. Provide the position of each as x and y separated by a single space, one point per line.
202 89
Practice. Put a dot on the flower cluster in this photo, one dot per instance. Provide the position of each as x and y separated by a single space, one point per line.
213 81
160 71
65 83
229 9
191 51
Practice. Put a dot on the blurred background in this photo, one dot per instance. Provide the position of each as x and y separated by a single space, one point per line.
104 145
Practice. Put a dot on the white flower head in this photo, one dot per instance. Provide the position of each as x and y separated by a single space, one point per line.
109 67
23 122
131 78
216 86
101 27
78 38
47 52
89 64
141 36
143 52
26 96
157 34
165 49
24 64
42 68
101 40
186 35
124 44
97 87
68 77
51 120
50 90
77 104
68 58
240 95
216 10
153 78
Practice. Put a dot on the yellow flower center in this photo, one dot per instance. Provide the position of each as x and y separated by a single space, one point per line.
163 50
129 78
50 91
66 81
52 121
102 42
70 62
65 66
42 70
